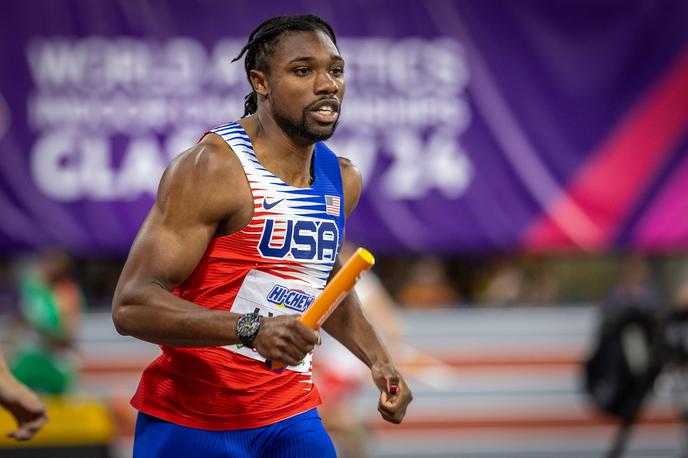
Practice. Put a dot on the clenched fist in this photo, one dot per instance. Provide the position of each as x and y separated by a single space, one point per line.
395 394
284 338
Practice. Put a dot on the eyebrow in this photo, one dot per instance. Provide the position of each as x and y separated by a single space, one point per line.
311 58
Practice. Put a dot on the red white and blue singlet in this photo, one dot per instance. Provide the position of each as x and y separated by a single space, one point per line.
277 265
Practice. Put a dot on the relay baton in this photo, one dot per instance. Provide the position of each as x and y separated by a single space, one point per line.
333 294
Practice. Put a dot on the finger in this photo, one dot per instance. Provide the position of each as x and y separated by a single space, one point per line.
394 415
388 404
304 344
288 359
317 332
393 384
295 354
27 430
390 417
37 423
305 333
279 354
393 405
20 435
393 397
287 347
300 347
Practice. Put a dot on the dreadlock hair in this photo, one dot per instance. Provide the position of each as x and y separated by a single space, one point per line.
262 41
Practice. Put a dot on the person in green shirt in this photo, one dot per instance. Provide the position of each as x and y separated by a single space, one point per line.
51 303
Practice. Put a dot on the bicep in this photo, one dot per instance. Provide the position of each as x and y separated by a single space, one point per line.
192 200
166 251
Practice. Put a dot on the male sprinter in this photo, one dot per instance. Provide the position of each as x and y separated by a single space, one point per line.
244 233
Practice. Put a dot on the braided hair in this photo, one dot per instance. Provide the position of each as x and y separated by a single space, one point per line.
262 41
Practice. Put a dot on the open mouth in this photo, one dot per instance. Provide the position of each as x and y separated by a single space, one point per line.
326 111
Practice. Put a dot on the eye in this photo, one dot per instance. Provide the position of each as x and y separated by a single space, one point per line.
302 71
337 71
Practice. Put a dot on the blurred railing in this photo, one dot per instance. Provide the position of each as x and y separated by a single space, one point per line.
488 382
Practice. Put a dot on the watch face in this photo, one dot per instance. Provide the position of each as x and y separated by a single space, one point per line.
248 325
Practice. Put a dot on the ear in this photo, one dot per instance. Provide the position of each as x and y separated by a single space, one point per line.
259 82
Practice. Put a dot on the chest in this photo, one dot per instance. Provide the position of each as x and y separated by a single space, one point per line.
297 224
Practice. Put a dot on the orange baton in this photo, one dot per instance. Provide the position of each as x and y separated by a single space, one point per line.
335 291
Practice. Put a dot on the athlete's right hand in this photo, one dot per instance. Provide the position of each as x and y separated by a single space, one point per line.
284 338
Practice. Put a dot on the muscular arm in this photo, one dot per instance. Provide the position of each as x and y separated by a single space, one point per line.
198 190
201 191
349 325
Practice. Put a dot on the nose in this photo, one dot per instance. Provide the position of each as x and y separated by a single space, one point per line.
326 84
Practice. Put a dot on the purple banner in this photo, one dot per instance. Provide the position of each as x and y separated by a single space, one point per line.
477 126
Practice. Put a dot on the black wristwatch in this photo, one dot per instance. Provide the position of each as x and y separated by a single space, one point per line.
247 328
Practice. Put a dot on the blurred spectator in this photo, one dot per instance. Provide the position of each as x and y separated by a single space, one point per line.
428 286
622 357
542 288
522 281
681 299
680 367
633 289
507 285
51 304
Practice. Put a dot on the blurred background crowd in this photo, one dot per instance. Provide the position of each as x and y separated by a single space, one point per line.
525 170
415 281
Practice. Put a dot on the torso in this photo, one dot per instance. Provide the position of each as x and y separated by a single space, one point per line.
275 257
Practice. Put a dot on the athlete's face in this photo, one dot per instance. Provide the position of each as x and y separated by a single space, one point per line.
305 85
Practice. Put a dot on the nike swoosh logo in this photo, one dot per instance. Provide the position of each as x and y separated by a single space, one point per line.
267 205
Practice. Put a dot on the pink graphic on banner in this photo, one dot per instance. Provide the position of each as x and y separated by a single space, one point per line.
464 145
665 223
610 183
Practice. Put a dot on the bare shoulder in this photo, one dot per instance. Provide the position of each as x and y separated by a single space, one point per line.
352 183
208 177
210 158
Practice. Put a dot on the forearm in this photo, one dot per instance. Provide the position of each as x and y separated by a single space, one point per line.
7 380
4 370
151 313
349 325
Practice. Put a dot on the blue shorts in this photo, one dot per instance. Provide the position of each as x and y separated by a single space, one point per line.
301 436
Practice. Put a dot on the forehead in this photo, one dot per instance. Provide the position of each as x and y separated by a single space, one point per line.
296 44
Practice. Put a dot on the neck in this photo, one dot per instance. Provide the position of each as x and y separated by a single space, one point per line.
286 157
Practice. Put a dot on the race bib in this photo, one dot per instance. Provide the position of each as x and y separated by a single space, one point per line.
272 296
